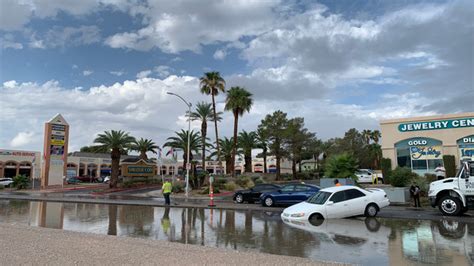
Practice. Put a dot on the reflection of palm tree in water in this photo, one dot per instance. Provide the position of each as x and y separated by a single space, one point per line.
165 220
112 220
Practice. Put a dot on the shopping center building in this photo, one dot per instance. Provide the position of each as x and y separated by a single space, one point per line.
420 142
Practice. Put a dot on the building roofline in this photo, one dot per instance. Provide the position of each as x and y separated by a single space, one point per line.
424 118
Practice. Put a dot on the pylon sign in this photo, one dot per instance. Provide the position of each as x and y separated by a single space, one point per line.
56 139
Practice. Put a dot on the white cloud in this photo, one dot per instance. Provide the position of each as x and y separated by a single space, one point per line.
8 41
179 26
74 66
66 36
117 73
144 74
141 107
22 139
220 54
162 71
16 14
87 72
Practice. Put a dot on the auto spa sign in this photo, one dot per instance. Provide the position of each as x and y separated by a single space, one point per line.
439 124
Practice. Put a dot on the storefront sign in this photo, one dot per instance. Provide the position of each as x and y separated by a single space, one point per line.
418 142
56 127
140 169
439 124
425 152
17 153
466 147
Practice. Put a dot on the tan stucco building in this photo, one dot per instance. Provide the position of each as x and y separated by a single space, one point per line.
420 142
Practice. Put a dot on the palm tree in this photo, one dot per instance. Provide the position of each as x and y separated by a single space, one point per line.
143 146
114 142
238 101
375 136
180 141
204 113
248 141
262 143
212 83
227 146
367 135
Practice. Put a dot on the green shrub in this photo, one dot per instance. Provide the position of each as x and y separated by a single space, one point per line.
341 166
430 178
206 190
128 184
1 187
401 177
20 182
245 182
258 180
386 166
219 182
178 187
230 186
450 165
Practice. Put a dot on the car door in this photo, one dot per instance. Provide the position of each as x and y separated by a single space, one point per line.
285 194
356 201
336 206
302 193
263 189
256 191
466 182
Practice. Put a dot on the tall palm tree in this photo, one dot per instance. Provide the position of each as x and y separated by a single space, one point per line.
114 142
367 135
262 143
375 136
227 146
180 141
204 113
238 101
247 141
211 84
143 146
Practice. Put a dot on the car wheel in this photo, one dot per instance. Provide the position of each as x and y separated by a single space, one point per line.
371 210
316 219
372 224
450 206
239 198
268 202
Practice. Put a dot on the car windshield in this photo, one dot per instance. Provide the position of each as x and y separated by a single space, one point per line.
319 198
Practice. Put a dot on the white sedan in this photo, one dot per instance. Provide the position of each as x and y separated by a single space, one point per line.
338 202
6 181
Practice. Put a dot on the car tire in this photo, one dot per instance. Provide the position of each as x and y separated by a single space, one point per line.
372 224
450 206
316 219
268 202
371 210
239 198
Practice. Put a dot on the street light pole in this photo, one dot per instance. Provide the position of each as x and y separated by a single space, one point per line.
189 139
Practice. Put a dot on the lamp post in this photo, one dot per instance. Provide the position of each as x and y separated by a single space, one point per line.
189 139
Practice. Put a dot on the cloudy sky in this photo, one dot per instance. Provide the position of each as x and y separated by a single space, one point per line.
107 64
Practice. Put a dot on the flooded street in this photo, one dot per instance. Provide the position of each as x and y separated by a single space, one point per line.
359 241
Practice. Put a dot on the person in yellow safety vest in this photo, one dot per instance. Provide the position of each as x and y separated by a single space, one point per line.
166 189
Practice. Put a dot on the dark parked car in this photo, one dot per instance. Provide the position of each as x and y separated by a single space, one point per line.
288 195
253 194
89 179
72 180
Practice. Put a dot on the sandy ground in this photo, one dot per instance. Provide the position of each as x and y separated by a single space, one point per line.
43 246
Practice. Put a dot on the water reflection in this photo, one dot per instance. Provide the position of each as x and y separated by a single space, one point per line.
359 241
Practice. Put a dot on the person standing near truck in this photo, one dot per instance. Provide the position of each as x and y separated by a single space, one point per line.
167 187
440 172
415 193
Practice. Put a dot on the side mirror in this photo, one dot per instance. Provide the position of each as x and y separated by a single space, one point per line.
329 203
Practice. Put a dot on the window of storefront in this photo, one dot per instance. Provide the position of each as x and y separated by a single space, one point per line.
466 148
422 155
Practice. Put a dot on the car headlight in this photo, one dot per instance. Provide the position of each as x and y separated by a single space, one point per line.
301 214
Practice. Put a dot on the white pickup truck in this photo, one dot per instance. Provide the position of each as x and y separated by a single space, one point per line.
454 195
369 176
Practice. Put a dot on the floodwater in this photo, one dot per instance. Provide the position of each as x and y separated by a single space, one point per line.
358 241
